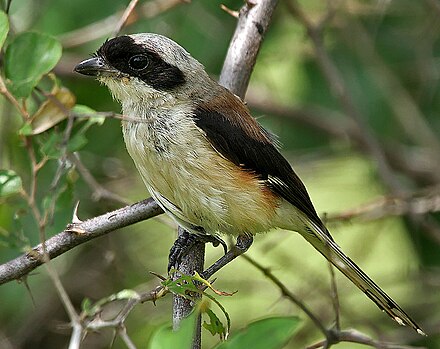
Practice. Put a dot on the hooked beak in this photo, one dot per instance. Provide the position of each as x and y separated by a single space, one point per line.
93 67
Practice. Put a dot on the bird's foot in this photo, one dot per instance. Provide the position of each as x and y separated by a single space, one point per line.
243 243
185 242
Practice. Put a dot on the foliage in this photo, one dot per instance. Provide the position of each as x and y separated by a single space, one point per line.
56 149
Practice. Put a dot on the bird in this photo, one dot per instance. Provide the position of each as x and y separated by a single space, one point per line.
203 157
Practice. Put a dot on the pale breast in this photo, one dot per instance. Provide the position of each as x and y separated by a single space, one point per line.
189 177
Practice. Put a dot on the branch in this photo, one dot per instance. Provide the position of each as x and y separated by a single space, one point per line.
353 336
193 262
332 335
106 26
77 234
286 293
125 16
99 192
253 21
419 204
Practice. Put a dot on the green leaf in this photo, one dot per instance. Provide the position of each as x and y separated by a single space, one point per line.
270 333
126 294
90 309
166 338
10 183
86 307
4 27
215 326
181 285
81 109
91 115
25 130
27 58
76 142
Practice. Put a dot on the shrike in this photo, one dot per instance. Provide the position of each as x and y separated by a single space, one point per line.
203 157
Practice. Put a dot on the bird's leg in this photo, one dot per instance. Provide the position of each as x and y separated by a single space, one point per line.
244 241
185 242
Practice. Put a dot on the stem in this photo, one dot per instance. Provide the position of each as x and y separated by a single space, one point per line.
182 307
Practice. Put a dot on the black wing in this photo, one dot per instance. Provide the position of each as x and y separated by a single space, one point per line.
254 151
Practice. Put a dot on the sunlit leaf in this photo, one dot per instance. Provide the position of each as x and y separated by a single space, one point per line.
182 285
81 109
126 294
27 58
53 110
4 27
166 338
10 183
270 333
90 309
86 306
91 115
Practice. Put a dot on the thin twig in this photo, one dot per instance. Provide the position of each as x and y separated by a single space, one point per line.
122 21
106 26
126 339
333 335
353 336
335 296
418 203
76 337
4 91
286 293
99 192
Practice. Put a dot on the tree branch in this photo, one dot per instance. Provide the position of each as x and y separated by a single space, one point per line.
106 26
77 234
253 21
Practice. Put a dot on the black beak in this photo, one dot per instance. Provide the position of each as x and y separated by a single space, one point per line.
93 67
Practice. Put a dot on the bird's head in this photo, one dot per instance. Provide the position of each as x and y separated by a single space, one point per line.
143 67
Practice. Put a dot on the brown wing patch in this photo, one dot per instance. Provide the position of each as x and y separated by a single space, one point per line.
235 134
235 111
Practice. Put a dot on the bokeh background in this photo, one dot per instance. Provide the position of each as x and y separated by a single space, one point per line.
384 216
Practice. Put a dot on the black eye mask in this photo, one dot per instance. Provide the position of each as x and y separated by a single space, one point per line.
135 60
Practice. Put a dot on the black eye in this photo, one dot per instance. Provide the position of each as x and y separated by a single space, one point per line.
138 62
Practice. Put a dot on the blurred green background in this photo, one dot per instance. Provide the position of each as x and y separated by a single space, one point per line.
388 55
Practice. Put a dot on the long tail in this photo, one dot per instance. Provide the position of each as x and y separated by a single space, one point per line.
324 243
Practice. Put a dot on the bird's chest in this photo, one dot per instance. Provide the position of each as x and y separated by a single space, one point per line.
191 180
168 151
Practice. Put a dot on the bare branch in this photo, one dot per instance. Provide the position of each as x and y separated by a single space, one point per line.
353 336
99 192
286 293
106 26
332 335
419 203
78 234
123 20
253 21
